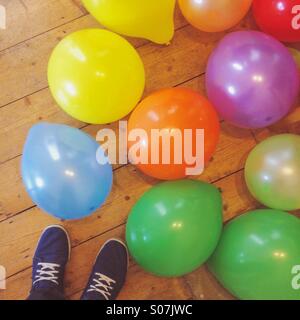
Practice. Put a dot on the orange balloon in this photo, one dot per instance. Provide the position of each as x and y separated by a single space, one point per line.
214 15
176 108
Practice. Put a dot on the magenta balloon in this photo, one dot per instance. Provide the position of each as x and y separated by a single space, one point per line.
252 79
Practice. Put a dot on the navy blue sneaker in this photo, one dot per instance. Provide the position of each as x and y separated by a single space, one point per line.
109 272
50 259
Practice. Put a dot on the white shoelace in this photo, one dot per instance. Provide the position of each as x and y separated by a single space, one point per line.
47 272
99 285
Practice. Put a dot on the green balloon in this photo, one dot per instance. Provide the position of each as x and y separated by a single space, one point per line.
258 256
272 172
175 227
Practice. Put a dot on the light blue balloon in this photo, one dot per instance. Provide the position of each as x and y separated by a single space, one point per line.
61 173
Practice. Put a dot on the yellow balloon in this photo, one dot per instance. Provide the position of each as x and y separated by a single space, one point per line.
296 54
96 76
149 19
214 15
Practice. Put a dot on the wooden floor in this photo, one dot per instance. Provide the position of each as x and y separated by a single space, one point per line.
34 28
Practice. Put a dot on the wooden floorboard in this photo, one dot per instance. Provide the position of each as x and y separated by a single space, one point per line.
34 28
128 186
29 18
237 201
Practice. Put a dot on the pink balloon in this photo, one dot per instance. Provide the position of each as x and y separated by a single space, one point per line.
252 79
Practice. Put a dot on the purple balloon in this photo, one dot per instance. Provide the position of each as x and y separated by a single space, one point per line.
252 79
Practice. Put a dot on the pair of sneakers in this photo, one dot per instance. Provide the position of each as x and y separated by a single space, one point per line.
52 254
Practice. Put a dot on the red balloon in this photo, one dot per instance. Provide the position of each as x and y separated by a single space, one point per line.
175 108
279 18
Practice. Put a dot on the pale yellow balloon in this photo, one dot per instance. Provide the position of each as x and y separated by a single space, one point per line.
296 54
149 19
272 172
214 15
96 76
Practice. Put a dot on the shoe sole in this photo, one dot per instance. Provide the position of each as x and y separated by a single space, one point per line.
63 229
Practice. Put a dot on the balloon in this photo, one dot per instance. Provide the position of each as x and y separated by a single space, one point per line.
60 171
252 80
96 76
290 124
296 54
175 227
272 172
279 18
216 15
257 256
152 20
176 108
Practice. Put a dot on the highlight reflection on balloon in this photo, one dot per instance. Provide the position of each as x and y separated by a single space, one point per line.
257 255
61 173
252 79
214 15
175 227
273 172
96 76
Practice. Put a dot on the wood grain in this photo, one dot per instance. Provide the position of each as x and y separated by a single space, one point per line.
128 187
34 29
83 254
28 18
